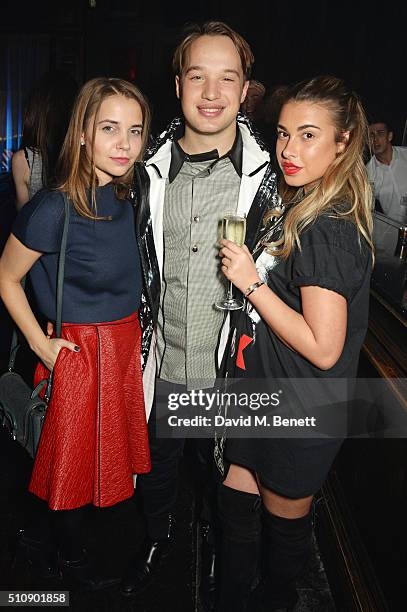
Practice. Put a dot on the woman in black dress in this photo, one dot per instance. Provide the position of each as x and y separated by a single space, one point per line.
305 317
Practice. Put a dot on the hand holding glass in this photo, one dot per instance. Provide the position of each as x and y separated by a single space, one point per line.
234 229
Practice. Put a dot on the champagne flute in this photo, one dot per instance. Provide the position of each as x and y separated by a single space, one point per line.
234 229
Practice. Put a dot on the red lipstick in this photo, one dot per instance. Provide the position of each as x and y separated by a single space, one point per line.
289 168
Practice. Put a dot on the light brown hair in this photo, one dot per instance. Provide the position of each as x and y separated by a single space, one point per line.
212 28
77 172
344 190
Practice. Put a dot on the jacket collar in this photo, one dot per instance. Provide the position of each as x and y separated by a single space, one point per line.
178 157
254 156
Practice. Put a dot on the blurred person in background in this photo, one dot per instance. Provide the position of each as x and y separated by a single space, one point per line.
251 105
45 123
387 170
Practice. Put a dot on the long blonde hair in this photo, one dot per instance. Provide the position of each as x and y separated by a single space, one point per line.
76 171
344 190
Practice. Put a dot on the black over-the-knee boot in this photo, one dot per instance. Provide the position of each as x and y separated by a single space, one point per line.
287 544
240 519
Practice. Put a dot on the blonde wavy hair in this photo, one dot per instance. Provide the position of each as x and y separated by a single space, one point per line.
76 171
344 189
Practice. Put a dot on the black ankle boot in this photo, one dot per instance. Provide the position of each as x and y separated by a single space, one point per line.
144 568
207 586
240 517
79 575
41 555
265 598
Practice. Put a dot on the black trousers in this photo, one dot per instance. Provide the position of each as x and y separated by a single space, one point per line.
160 486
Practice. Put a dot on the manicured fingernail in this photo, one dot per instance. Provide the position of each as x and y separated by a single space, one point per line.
77 349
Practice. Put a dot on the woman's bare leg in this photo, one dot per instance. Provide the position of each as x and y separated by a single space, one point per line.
284 506
241 479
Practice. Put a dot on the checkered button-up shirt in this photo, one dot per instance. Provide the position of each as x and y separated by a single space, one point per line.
188 324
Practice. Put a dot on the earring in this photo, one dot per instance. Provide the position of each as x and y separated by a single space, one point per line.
82 143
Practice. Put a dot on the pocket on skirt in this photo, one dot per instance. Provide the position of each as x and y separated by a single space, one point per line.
59 358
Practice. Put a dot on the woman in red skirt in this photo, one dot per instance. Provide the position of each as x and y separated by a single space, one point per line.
94 437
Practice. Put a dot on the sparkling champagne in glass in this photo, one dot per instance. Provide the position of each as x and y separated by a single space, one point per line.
234 229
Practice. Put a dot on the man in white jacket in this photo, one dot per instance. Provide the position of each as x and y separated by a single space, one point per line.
206 164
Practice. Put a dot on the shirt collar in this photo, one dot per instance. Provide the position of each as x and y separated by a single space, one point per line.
394 156
178 157
254 154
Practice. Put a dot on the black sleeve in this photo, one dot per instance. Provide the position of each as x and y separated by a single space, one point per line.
39 224
331 257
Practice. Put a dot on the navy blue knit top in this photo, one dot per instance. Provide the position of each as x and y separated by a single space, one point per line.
102 266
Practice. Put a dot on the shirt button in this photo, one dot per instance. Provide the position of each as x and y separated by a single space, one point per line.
196 218
194 249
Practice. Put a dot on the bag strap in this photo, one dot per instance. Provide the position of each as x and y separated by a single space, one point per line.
61 266
60 290
60 285
14 343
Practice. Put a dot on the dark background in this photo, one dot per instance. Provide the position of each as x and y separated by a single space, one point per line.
135 39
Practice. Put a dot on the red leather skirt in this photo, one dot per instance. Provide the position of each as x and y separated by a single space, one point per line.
95 433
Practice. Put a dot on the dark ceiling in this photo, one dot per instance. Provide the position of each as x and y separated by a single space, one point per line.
291 41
